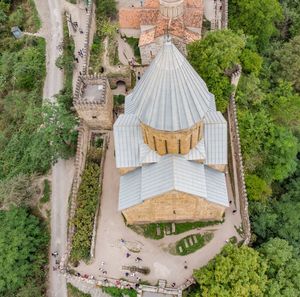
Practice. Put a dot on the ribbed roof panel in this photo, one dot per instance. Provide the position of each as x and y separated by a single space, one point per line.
170 96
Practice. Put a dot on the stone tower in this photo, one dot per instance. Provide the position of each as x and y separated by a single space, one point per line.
171 146
93 102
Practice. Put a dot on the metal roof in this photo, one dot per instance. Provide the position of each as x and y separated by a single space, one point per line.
172 172
127 138
215 138
130 189
147 155
171 95
198 152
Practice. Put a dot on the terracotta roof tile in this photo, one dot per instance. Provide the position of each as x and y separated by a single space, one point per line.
194 3
151 4
149 16
147 37
130 18
193 17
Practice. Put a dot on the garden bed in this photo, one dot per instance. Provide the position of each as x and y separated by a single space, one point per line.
192 243
152 230
87 200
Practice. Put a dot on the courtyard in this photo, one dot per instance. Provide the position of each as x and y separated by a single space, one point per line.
115 241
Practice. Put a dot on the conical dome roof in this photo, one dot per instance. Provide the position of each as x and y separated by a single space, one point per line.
170 96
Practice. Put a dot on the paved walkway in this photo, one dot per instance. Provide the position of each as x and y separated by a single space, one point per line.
124 50
111 229
78 14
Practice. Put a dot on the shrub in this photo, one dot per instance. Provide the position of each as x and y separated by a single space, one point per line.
87 200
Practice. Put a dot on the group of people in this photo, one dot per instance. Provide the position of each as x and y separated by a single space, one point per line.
104 272
55 254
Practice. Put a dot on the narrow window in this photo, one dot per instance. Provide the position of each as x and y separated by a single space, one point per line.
94 117
166 147
191 141
179 146
154 143
199 130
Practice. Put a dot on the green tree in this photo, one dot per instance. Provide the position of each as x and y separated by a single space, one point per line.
279 218
269 150
283 268
256 18
257 188
290 27
22 243
234 272
48 133
287 62
284 105
107 8
251 61
212 56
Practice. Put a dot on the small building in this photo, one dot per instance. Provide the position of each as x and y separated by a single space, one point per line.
16 32
171 146
93 102
180 19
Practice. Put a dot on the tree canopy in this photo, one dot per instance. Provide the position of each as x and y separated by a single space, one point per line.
234 272
287 62
22 241
211 57
256 18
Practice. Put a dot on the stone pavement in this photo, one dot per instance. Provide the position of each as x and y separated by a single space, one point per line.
78 14
154 253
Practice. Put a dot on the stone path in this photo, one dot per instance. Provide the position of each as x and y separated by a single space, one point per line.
78 14
154 253
124 50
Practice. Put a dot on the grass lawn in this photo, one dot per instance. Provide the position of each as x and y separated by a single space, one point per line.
116 292
150 230
201 241
74 292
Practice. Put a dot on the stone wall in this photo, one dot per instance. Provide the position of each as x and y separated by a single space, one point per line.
115 77
173 207
224 17
177 142
82 148
238 174
88 35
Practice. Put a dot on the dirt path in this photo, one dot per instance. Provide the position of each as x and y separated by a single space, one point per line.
50 12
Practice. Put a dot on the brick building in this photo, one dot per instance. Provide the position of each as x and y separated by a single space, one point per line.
171 146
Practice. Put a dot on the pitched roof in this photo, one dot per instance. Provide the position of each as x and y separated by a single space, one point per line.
171 95
215 137
172 172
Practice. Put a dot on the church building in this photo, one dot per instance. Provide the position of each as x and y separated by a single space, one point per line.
171 146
